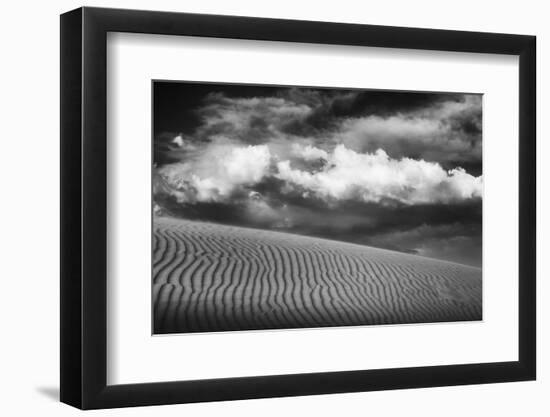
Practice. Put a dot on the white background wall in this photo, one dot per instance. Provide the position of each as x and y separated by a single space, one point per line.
29 238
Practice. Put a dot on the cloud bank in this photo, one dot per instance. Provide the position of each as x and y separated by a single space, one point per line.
222 171
375 177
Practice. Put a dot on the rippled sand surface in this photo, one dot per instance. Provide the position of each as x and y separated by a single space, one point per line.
209 277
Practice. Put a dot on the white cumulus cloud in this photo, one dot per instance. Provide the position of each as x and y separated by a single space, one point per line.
308 152
178 140
223 168
218 171
374 177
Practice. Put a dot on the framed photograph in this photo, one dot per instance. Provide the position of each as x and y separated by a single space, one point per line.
257 208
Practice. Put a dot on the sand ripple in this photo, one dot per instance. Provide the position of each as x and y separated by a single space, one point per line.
209 277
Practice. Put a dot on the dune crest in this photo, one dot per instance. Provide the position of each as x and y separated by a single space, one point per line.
210 277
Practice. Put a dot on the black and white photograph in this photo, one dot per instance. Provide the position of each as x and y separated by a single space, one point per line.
260 204
280 207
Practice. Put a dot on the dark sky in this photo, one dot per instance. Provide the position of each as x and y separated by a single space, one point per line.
399 170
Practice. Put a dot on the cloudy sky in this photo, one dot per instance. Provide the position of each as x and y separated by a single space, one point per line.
398 170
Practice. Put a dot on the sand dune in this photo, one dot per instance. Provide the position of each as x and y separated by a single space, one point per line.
209 277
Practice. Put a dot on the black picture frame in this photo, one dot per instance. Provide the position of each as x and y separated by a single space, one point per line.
84 223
